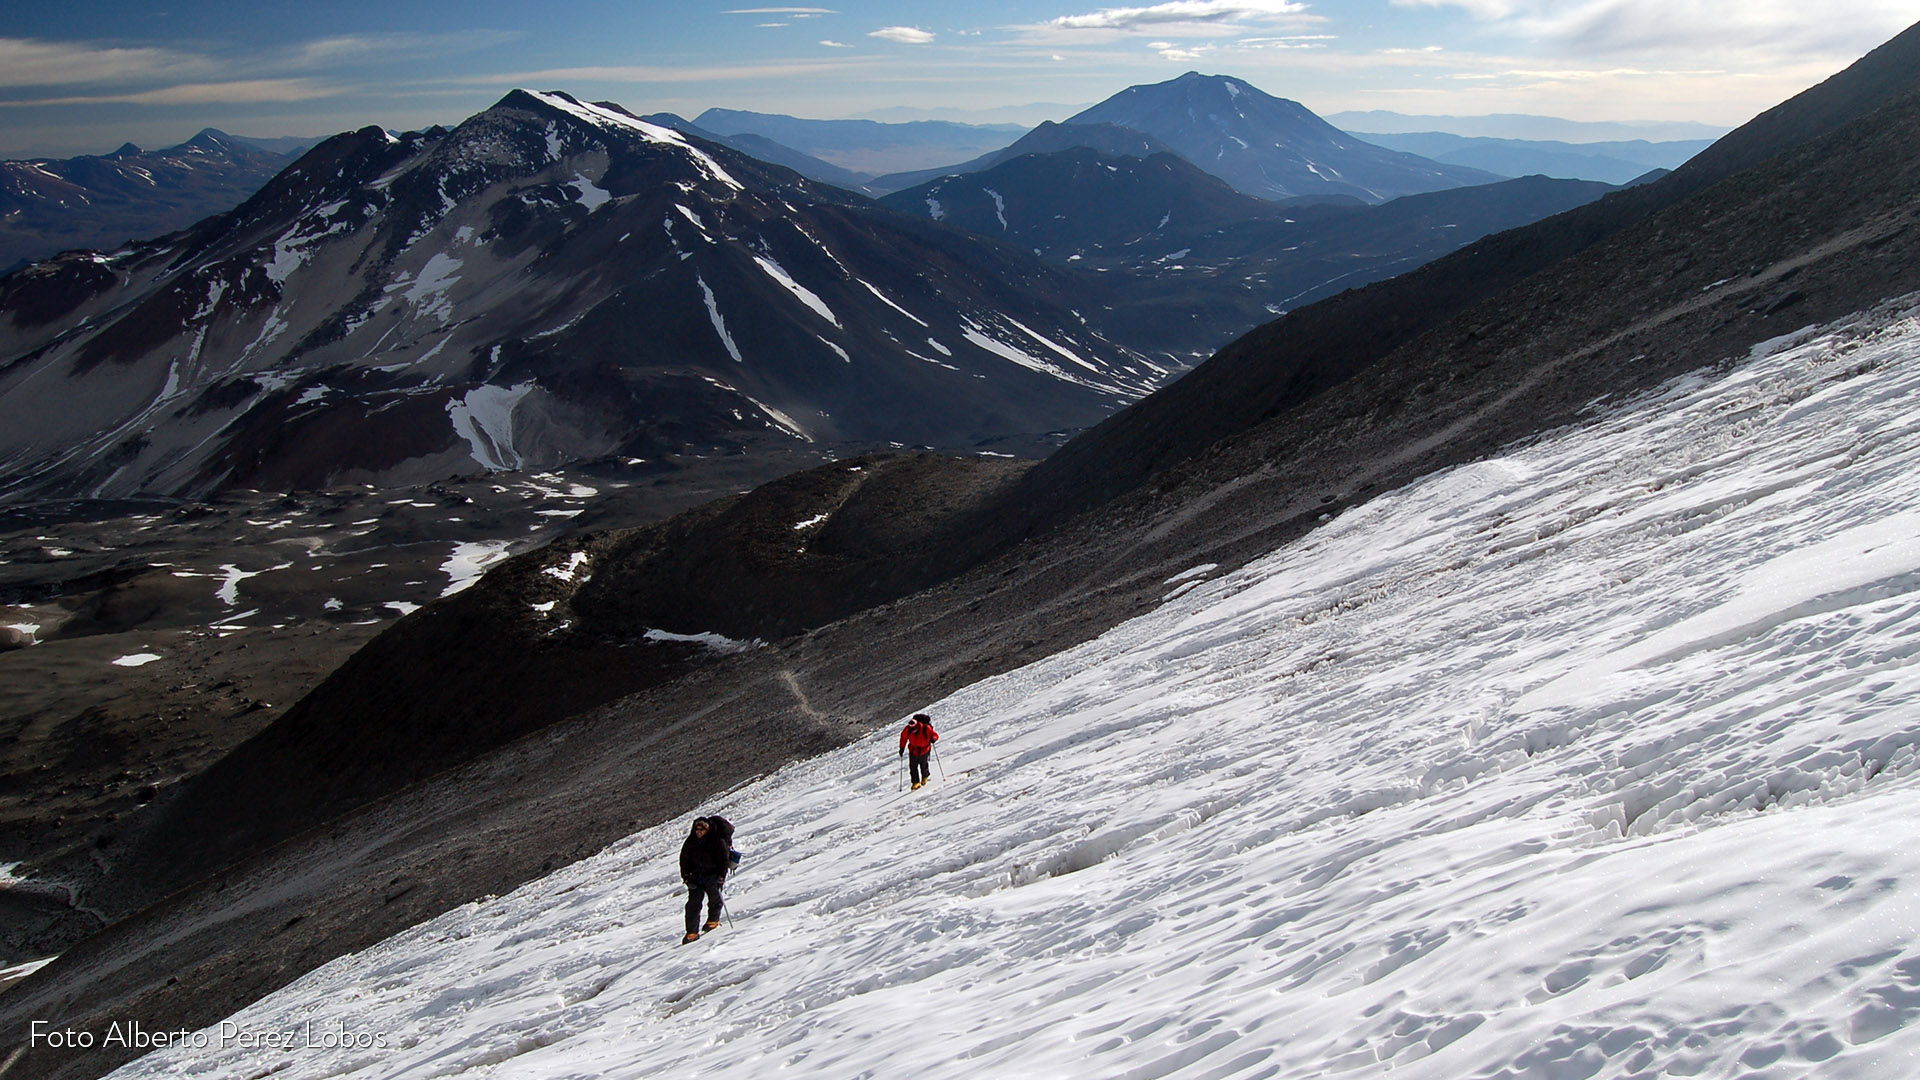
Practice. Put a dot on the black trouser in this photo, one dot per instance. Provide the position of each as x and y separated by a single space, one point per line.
917 768
708 887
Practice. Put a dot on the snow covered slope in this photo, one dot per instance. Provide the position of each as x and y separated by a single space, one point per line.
1597 758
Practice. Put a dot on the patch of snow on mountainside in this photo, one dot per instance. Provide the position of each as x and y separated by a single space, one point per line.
1385 802
885 299
802 293
976 334
428 292
591 195
469 560
484 418
719 323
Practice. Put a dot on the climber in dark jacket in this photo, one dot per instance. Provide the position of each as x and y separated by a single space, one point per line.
704 861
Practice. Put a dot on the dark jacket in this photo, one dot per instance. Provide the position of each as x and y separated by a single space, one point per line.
707 857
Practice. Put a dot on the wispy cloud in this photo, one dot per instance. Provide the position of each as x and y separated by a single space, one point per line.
1158 18
346 50
29 62
95 74
646 74
1788 28
835 44
243 92
906 35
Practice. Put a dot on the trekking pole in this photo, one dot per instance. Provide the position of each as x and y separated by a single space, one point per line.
936 761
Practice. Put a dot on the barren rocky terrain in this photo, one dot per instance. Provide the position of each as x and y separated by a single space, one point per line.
141 642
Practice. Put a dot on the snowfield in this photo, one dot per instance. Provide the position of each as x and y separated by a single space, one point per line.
1594 760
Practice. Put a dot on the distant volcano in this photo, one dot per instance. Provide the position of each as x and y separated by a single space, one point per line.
1269 146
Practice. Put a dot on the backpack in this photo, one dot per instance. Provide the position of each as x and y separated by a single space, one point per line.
723 829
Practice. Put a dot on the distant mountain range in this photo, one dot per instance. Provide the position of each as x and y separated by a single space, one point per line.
668 295
550 281
1526 127
48 206
1264 146
1613 162
866 145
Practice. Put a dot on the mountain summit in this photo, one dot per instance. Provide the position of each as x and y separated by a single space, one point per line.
1269 146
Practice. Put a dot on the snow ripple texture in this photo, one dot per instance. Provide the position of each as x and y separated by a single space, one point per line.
1594 760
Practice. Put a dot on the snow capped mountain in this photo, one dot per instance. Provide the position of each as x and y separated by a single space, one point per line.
552 280
1591 758
1268 146
48 206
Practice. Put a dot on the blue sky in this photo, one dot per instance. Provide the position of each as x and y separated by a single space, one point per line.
86 75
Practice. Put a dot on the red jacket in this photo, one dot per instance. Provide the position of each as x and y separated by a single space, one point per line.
918 738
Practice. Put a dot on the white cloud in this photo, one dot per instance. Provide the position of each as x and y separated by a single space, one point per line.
1718 28
906 35
1294 41
346 49
640 73
29 62
1182 13
242 92
835 44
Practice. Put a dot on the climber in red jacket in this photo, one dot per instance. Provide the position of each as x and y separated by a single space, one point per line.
916 744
